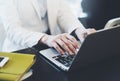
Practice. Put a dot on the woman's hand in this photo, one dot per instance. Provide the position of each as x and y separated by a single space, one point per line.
81 34
62 43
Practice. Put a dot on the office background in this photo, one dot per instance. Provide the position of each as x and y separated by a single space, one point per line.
92 13
100 11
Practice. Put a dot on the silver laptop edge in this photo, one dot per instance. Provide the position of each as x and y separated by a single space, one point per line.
49 53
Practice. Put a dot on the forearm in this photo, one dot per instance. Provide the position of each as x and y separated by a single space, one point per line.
67 20
22 37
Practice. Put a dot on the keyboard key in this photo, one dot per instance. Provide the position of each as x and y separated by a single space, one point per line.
65 59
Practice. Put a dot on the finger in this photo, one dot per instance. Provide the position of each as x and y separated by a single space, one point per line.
64 46
70 45
56 46
74 41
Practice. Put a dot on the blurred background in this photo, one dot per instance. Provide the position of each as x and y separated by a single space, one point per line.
92 13
95 13
100 11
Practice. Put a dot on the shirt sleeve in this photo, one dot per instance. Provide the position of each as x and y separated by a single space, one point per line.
15 32
66 18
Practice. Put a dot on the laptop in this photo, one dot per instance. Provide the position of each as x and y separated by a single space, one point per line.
99 46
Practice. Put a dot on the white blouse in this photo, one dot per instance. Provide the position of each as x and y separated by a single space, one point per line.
43 12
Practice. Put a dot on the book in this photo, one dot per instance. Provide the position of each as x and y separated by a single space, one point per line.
16 67
27 74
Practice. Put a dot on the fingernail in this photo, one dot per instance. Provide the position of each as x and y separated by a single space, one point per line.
76 52
62 53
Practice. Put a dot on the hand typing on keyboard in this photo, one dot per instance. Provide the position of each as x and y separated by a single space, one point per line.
62 43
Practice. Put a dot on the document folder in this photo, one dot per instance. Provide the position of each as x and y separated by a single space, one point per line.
16 67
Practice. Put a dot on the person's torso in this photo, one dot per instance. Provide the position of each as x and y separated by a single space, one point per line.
30 18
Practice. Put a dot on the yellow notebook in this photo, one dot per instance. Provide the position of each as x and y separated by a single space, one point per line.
16 67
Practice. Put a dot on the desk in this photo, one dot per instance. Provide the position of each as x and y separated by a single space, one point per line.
108 70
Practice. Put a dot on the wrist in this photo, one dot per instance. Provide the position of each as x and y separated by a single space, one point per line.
80 31
44 38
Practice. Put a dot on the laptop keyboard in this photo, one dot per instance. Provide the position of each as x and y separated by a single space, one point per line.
64 59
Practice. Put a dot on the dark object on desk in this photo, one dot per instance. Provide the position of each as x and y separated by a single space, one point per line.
107 70
99 46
